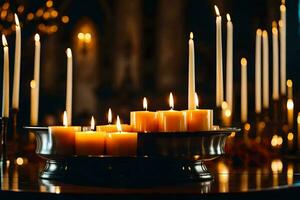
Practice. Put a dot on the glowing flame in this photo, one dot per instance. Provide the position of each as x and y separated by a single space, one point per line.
37 37
92 123
289 83
224 105
119 127
258 32
217 10
32 84
17 20
69 53
298 118
227 112
276 166
4 41
191 35
171 101
290 136
274 30
109 116
65 120
265 33
228 17
145 104
243 61
290 104
196 100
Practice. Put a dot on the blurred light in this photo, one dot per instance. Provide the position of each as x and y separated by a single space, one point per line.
274 140
46 15
19 161
20 8
39 12
49 3
80 36
232 134
290 174
5 6
298 118
247 126
30 16
65 19
87 37
279 140
289 83
290 104
290 136
224 105
10 17
276 166
53 28
54 13
3 14
227 112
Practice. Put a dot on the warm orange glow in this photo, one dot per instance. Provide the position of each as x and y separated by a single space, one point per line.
279 140
243 61
227 112
30 16
17 20
217 10
247 126
19 161
282 8
228 17
276 166
65 19
290 136
92 123
80 36
196 100
274 31
109 116
32 84
289 83
49 3
298 118
191 35
119 127
258 32
171 101
87 37
145 104
265 33
290 104
69 53
37 37
65 119
4 41
224 105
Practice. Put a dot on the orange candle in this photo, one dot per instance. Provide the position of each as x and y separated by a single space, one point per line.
109 128
144 121
121 143
90 142
172 120
199 119
63 137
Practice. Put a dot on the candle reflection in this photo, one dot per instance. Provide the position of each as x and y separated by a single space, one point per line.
276 167
4 177
15 179
258 179
223 172
290 174
244 181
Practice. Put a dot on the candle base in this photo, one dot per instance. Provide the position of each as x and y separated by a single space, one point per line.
4 124
15 124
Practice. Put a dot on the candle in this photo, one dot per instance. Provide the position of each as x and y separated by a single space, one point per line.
298 136
172 120
290 139
121 143
17 69
90 142
244 93
229 65
265 70
226 114
191 91
36 77
144 121
290 112
33 116
289 84
282 29
112 127
199 119
219 59
69 85
63 137
275 62
5 94
258 72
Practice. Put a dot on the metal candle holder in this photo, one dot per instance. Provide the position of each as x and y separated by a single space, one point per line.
4 124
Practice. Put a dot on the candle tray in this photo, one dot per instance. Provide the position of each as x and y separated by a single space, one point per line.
160 158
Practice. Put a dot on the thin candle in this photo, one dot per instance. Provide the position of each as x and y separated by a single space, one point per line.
258 71
69 85
265 70
17 67
229 65
191 91
33 116
290 112
36 77
219 59
282 29
5 94
244 93
275 62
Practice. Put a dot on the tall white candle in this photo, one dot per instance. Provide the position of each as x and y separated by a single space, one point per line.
258 72
191 91
5 94
265 70
219 60
229 65
275 62
36 76
69 85
289 84
244 93
33 115
17 69
282 29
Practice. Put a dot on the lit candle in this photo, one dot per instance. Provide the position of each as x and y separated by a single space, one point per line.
33 116
229 65
298 136
199 119
90 142
244 93
226 114
121 143
275 62
282 29
69 85
5 94
144 121
290 112
112 127
191 91
219 59
63 138
265 70
17 69
172 120
258 72
36 77
289 84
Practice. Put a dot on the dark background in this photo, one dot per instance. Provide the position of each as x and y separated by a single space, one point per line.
148 40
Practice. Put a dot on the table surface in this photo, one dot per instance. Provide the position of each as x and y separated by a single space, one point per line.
22 176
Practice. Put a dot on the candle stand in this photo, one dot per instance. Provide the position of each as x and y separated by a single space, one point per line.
4 124
160 158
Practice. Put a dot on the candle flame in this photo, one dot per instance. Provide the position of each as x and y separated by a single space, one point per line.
258 32
289 83
228 17
92 123
4 41
196 100
290 136
145 104
224 105
171 101
37 37
274 30
282 8
69 52
243 61
65 120
119 127
298 118
217 10
109 116
265 33
32 84
290 104
17 20
191 35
